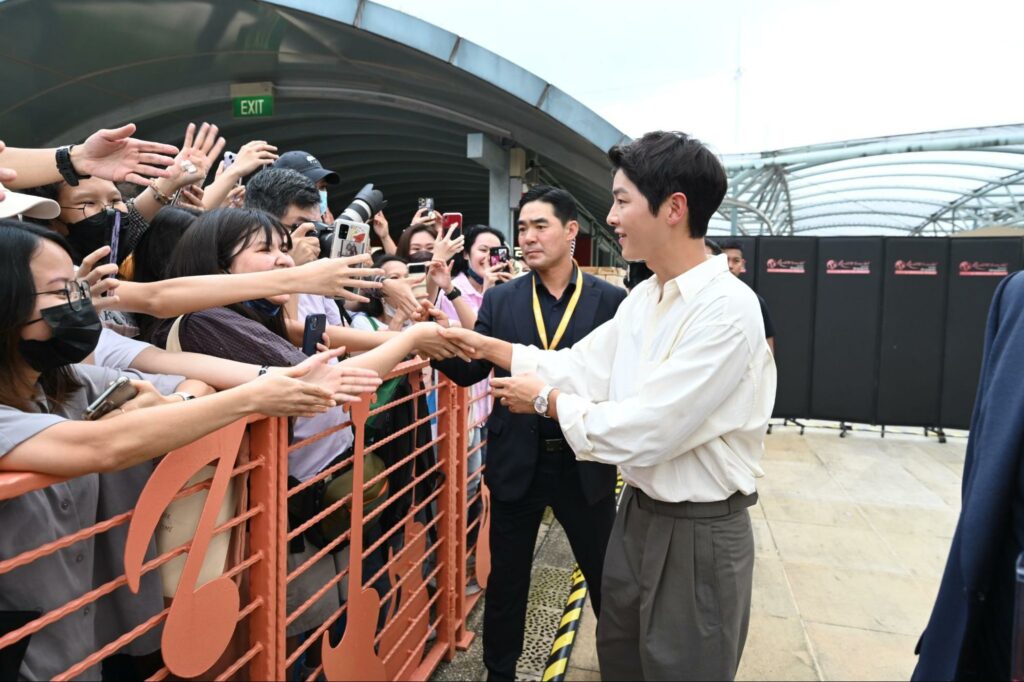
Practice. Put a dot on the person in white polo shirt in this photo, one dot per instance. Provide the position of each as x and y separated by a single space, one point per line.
676 390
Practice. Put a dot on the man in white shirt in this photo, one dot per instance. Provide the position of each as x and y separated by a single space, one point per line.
676 390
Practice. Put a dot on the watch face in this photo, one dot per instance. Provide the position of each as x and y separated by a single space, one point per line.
540 405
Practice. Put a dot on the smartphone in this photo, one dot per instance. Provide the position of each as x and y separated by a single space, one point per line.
450 220
426 202
499 255
417 269
116 394
229 158
316 325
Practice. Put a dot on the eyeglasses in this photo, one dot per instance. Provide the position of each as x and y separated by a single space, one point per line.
74 292
102 207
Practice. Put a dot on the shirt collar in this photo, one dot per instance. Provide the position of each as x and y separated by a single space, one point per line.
691 282
568 290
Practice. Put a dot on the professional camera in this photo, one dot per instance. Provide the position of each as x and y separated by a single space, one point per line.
368 203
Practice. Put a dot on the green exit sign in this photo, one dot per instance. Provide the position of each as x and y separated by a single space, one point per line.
250 107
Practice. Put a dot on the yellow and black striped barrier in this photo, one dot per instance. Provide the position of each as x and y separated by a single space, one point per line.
565 637
561 649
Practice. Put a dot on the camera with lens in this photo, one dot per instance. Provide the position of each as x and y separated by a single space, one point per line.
366 204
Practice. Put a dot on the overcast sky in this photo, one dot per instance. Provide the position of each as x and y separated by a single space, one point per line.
811 70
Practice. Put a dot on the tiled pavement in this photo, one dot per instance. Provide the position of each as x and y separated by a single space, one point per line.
852 535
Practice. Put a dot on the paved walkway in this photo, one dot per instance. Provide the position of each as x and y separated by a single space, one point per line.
852 535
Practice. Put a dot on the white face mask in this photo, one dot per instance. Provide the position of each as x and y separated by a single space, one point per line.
323 201
389 311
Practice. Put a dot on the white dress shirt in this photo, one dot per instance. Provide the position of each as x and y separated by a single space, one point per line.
677 392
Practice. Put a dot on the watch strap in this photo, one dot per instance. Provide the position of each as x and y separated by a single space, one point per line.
453 294
66 168
184 396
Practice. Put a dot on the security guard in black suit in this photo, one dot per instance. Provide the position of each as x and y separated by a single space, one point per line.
529 464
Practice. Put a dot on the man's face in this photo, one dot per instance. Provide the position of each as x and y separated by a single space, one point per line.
737 264
295 216
543 238
640 233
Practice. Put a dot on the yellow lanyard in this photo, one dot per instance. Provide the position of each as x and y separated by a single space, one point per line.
539 317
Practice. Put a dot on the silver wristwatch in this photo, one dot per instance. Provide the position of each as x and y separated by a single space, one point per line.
540 403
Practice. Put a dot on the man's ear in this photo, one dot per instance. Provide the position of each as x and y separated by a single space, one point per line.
572 230
677 209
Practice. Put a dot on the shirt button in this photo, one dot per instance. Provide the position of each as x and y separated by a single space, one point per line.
79 559
64 505
86 611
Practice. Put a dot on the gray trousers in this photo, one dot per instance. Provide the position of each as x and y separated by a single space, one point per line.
676 589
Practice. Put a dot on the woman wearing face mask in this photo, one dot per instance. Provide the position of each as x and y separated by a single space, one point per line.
377 314
248 240
416 239
47 324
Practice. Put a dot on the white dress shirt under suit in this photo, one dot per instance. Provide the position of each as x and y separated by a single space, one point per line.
677 392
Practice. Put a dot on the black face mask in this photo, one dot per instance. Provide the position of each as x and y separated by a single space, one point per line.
95 232
75 335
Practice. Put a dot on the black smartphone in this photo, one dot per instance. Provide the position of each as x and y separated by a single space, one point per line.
316 325
116 394
417 269
499 255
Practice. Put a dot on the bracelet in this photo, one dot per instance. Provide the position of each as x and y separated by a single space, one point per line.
160 196
263 370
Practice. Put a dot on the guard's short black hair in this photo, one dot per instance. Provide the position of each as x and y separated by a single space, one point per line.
732 244
562 203
716 250
275 189
662 163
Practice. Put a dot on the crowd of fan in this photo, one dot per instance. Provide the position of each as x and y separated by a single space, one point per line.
194 277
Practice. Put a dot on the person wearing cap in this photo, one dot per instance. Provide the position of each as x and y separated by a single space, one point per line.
14 204
310 166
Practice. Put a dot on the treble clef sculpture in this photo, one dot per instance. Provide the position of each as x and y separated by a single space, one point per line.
355 657
202 618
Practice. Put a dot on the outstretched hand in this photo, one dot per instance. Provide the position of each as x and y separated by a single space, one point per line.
116 156
346 384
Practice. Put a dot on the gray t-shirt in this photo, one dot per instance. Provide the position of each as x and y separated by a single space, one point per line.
42 516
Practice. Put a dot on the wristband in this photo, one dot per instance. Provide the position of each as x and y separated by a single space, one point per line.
66 168
453 294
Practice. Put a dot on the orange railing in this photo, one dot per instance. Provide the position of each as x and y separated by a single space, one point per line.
395 592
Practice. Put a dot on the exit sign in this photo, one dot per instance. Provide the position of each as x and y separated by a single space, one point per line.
252 100
249 107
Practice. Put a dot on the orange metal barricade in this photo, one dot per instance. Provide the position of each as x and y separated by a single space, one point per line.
402 566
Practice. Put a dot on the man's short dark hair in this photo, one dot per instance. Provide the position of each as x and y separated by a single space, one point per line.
562 203
716 250
274 190
661 163
732 244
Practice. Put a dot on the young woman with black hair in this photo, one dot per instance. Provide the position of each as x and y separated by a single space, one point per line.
47 325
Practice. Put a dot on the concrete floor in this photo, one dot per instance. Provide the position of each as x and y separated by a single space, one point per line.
852 536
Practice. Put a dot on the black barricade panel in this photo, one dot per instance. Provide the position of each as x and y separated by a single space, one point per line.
786 279
913 330
977 266
846 329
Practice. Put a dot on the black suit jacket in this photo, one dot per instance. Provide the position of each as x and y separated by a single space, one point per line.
512 440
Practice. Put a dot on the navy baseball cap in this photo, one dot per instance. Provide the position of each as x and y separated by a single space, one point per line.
308 165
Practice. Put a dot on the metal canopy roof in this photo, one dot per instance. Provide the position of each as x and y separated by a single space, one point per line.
924 184
383 97
377 95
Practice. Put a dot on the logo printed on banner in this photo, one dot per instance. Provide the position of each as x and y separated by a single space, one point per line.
847 267
973 268
915 267
785 267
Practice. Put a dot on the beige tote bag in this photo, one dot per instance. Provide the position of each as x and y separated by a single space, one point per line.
180 520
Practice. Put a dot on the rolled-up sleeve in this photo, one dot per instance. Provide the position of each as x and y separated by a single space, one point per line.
673 403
